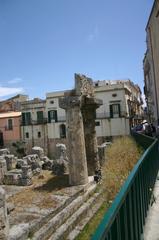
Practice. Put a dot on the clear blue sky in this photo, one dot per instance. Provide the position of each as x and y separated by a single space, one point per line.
44 42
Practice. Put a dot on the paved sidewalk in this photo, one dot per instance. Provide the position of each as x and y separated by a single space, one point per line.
151 229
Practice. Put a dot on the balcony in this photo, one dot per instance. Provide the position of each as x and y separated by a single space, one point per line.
34 122
105 115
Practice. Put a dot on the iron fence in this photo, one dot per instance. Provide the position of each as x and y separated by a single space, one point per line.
125 218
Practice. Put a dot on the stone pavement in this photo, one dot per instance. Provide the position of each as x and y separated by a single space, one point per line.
151 229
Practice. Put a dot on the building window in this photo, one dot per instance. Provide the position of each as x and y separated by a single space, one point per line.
98 123
10 124
52 116
62 131
40 117
51 102
115 110
39 134
27 135
26 118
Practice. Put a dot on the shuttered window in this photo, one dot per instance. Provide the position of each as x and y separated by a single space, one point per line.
114 110
40 117
52 116
26 118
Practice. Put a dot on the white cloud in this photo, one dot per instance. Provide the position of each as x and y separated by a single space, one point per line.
90 37
93 35
6 91
15 80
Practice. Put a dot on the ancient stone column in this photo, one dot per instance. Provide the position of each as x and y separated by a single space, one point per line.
85 90
78 173
4 225
89 106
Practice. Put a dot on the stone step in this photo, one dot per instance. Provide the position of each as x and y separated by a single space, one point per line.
63 232
56 221
35 226
82 223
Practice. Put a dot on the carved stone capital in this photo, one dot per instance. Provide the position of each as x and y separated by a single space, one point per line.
69 102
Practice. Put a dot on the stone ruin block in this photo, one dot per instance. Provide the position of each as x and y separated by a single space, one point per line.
46 163
27 174
31 158
20 163
3 169
102 151
26 182
4 151
10 161
21 177
13 178
4 225
61 151
39 151
60 165
35 163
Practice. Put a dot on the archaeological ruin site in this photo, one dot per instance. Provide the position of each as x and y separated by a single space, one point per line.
42 198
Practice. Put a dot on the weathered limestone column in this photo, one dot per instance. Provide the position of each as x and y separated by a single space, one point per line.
78 173
85 90
89 107
4 225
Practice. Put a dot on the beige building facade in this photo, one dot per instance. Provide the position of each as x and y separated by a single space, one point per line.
151 65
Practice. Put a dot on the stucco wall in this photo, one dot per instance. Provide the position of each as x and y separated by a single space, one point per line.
113 127
153 49
10 135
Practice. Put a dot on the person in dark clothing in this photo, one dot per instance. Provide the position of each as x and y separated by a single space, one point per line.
153 129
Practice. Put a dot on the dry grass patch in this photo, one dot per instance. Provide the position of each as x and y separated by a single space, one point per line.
40 192
121 158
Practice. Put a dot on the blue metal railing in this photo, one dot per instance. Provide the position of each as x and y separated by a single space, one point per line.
125 218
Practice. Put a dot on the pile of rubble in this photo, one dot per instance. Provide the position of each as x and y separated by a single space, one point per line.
14 171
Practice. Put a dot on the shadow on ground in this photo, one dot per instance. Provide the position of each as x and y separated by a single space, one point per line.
55 183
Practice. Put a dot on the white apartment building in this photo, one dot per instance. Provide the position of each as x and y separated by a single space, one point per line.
121 107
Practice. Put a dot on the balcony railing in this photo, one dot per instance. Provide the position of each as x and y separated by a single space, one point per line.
43 121
104 115
34 122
